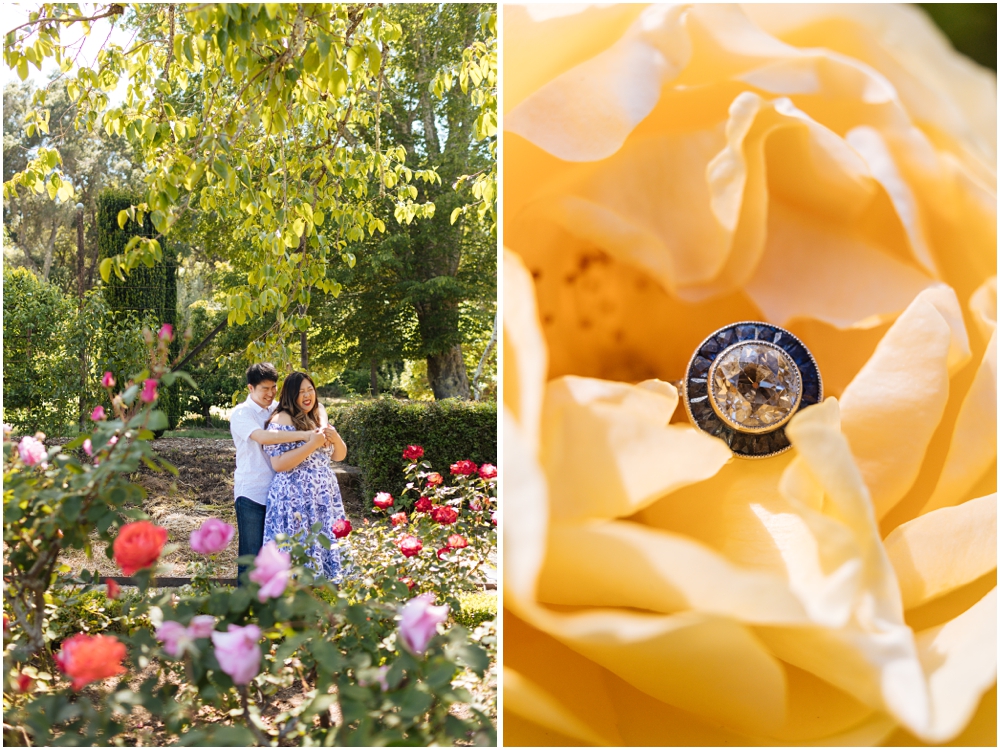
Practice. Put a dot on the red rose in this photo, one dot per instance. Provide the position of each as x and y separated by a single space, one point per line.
88 658
413 453
114 590
488 471
410 583
464 467
443 551
457 541
410 546
24 683
341 528
423 505
138 545
383 500
444 515
398 519
434 478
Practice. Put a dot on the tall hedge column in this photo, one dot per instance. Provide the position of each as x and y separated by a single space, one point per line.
145 289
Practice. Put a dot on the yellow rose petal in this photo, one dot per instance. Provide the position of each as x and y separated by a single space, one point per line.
524 348
944 549
892 407
527 700
624 564
622 434
844 280
960 658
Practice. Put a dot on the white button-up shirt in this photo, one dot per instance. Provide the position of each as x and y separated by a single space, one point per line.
253 468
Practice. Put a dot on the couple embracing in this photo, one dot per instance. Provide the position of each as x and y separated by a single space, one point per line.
284 482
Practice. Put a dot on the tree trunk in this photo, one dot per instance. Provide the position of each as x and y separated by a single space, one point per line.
446 373
374 378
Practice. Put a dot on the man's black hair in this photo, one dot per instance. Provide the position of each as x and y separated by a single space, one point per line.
260 372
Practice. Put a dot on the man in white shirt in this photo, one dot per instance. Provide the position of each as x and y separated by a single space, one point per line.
253 468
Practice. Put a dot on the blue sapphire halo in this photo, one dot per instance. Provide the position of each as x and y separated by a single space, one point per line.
745 382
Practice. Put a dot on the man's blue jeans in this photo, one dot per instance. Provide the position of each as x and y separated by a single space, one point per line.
250 522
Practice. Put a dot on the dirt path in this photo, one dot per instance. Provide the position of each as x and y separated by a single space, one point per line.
202 489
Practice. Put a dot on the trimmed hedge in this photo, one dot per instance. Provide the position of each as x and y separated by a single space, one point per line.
377 431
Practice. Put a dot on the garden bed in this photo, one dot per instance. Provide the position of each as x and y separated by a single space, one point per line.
202 489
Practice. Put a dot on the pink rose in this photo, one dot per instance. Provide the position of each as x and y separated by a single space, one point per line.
488 471
174 637
212 536
88 447
272 569
114 590
383 500
238 652
97 414
457 541
202 626
418 622
443 551
108 381
31 450
398 519
148 394
167 332
341 528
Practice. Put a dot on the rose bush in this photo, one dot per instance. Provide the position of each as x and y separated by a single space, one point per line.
672 169
206 660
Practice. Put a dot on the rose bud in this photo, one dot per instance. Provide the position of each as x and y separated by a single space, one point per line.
113 589
148 394
108 381
88 447
383 500
398 519
97 414
167 332
24 683
88 658
341 528
138 545
493 517
418 622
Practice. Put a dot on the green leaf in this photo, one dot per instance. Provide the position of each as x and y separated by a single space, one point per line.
326 655
122 221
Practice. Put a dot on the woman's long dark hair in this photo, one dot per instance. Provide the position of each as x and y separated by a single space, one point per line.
287 402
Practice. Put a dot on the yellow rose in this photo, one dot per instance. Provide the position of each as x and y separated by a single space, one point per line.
672 169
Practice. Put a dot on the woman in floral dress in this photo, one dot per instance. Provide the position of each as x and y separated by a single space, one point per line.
304 489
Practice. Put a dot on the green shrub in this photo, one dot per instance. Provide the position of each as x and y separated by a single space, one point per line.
477 608
377 431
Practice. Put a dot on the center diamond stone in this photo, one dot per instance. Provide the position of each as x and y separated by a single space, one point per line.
754 386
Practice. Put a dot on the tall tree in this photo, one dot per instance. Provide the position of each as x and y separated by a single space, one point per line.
255 114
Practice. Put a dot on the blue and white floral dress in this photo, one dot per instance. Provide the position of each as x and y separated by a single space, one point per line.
301 497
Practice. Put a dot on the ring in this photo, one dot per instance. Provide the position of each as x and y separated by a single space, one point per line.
745 381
